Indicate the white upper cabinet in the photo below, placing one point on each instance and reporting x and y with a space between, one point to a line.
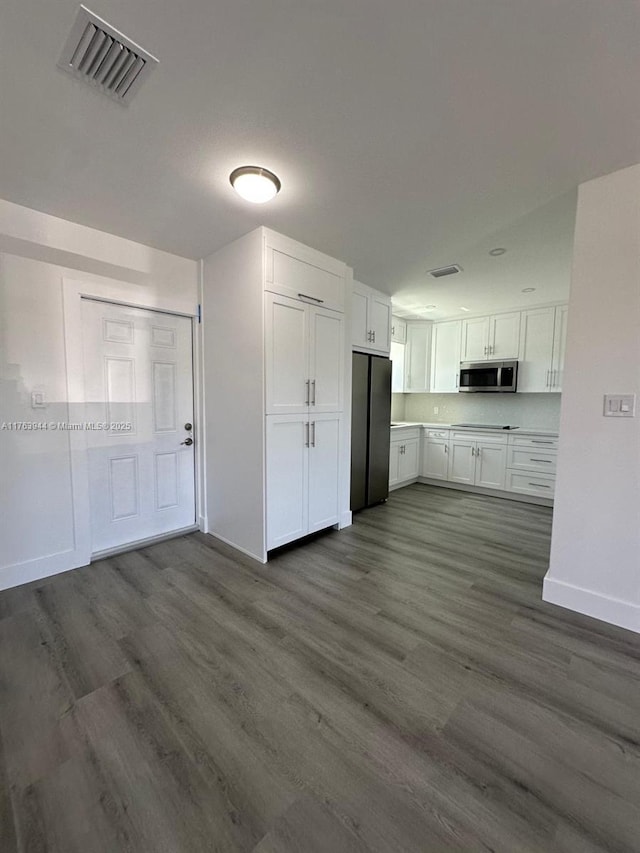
496 337
360 331
542 344
398 330
370 319
286 355
397 355
326 360
304 355
445 356
475 339
417 357
300 272
504 336
559 345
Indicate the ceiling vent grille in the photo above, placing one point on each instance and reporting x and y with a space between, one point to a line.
103 57
452 269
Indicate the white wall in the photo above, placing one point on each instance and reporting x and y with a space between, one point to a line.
595 553
233 374
38 527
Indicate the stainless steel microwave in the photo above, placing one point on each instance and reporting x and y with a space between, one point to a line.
488 376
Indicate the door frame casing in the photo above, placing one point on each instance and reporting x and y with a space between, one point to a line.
73 292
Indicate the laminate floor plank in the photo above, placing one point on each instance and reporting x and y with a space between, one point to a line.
395 687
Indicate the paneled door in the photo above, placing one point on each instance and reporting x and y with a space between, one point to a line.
138 379
326 360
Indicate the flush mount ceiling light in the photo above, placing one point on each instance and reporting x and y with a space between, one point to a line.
495 253
255 184
462 308
528 289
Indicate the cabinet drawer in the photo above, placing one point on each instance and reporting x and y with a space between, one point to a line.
532 459
540 485
437 433
482 437
302 279
541 442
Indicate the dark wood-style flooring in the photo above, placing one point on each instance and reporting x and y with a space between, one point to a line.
397 686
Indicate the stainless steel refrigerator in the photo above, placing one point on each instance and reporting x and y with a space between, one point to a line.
370 429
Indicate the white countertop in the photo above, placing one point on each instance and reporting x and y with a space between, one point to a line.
520 431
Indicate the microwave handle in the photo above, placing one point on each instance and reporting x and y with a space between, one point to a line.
499 377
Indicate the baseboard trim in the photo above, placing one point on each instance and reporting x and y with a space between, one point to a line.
41 568
142 543
614 611
480 490
237 547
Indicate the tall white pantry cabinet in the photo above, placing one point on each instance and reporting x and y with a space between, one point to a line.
276 366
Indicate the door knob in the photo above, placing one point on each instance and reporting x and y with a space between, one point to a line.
187 441
188 427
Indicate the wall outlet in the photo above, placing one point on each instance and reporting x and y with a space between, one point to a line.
436 410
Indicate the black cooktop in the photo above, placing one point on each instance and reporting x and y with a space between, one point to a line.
486 426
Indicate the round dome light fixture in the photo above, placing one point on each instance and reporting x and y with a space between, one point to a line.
528 289
495 253
255 184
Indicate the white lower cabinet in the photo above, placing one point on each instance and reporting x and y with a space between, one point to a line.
435 455
478 460
302 475
531 465
404 457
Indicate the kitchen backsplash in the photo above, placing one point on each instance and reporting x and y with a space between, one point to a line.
529 410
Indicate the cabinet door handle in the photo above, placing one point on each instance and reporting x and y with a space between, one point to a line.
546 384
313 434
546 461
374 337
393 330
554 381
473 451
446 448
457 380
306 442
540 441
312 298
313 385
477 451
540 485
306 399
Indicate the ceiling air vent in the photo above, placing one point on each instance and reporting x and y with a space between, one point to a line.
100 55
442 271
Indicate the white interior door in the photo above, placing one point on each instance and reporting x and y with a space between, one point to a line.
138 379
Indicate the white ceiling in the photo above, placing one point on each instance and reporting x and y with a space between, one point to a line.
407 135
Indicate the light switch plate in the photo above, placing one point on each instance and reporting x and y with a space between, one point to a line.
38 400
619 405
